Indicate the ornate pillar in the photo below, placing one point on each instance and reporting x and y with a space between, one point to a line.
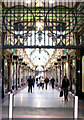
59 75
16 74
13 74
28 73
62 72
23 75
15 59
10 77
56 76
20 75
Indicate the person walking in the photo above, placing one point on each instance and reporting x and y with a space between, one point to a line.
33 81
52 82
65 84
36 80
30 83
38 85
42 82
46 82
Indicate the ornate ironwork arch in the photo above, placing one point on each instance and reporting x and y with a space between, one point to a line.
60 24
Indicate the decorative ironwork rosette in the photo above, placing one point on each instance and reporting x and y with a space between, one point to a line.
61 21
19 20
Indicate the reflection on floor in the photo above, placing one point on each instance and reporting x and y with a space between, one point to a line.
41 104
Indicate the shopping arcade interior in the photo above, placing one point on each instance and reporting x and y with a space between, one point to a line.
58 26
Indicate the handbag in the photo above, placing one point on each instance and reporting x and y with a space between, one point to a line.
61 93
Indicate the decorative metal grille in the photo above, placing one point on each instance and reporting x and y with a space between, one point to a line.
50 26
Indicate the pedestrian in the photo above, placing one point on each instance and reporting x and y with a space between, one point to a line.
36 80
38 85
42 82
65 84
46 82
33 81
30 83
52 82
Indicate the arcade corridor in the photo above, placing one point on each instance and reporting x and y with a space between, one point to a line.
42 40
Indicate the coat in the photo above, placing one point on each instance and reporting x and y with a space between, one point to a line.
30 81
65 84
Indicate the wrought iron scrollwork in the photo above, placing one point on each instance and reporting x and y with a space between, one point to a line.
64 23
15 23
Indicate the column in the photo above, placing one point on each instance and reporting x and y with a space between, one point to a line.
62 71
59 74
16 74
23 75
10 76
2 78
67 70
56 75
13 74
28 73
20 75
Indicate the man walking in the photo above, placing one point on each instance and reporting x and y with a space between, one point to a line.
30 83
46 82
52 81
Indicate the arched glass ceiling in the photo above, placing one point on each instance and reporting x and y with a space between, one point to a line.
39 56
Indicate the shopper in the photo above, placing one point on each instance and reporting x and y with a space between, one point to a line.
38 85
46 82
33 81
36 80
30 83
52 82
42 82
65 84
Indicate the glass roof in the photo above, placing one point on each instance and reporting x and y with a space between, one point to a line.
39 56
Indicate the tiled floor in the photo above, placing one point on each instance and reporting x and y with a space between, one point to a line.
41 104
